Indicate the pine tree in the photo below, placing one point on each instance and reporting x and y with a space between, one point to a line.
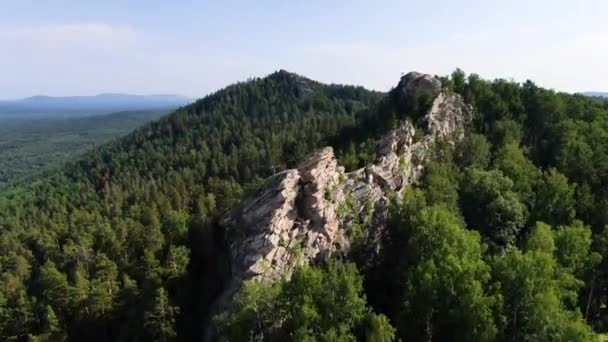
160 321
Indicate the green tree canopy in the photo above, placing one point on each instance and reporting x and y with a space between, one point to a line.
314 305
490 205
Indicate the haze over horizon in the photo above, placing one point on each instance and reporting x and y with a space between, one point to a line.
68 47
98 95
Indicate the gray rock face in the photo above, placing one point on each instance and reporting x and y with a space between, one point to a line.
413 82
260 226
304 215
449 116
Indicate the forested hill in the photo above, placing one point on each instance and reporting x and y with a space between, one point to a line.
97 251
503 238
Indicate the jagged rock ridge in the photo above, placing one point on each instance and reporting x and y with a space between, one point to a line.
303 215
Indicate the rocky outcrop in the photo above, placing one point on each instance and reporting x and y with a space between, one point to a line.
305 214
449 117
414 82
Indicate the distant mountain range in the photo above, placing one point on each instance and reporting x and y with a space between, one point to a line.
596 94
72 106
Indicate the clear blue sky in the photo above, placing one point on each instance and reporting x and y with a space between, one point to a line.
78 47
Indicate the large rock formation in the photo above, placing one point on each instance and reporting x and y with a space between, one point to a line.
305 214
414 82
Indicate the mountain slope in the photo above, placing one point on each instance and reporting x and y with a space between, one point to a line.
131 222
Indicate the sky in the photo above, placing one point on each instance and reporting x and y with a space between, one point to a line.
191 48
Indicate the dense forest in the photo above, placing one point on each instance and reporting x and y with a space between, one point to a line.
121 245
29 146
503 239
